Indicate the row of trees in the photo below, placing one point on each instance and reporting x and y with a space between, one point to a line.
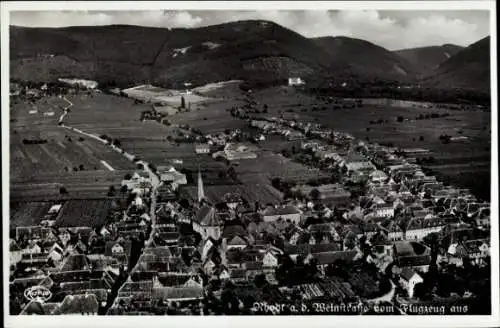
34 141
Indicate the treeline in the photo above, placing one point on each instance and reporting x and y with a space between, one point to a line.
34 141
460 96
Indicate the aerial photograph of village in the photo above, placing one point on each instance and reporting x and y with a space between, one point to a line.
249 163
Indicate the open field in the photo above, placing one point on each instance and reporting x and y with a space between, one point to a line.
213 117
84 213
27 214
269 165
454 157
81 184
63 151
152 94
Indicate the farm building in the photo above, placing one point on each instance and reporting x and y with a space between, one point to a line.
288 212
233 152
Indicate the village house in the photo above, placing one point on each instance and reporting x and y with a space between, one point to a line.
294 135
383 210
333 193
202 149
474 251
378 176
412 254
325 259
329 153
139 180
355 163
288 212
408 279
418 228
173 177
15 252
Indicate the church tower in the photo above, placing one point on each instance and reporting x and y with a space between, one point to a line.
201 193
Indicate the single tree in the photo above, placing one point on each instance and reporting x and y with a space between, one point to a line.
111 191
314 194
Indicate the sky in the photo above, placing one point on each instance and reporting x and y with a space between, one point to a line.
390 29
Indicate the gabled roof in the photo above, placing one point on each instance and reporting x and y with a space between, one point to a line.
413 261
76 304
236 241
171 280
76 262
207 216
410 248
378 174
332 257
407 273
282 210
321 227
233 230
177 293
136 287
305 249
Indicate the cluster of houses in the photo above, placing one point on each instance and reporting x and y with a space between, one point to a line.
79 263
400 204
154 254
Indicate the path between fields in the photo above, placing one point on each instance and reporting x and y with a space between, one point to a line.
109 167
65 110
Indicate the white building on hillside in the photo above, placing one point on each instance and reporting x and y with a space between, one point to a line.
295 81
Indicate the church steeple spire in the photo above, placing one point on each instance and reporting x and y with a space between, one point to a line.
201 193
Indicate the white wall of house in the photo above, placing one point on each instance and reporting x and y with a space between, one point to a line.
206 232
384 212
15 257
418 234
270 260
395 235
409 285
